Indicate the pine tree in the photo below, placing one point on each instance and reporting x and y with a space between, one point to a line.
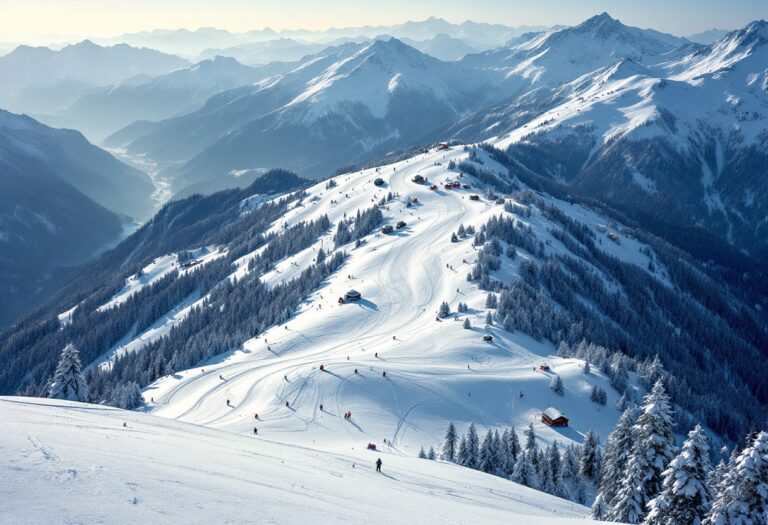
622 403
654 443
68 381
556 385
487 461
744 498
431 454
488 319
514 444
589 461
491 301
462 456
473 448
530 442
617 451
684 497
629 504
524 472
445 310
449 446
422 454
587 368
467 324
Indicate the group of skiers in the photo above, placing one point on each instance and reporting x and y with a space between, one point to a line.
347 415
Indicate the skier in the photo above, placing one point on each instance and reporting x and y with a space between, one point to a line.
321 407
378 465
322 368
228 404
521 394
287 404
384 373
355 371
376 355
255 431
221 377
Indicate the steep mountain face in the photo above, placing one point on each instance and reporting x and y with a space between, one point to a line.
549 59
681 143
68 156
106 110
41 80
352 103
45 220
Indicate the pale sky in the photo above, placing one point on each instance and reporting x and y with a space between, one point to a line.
22 20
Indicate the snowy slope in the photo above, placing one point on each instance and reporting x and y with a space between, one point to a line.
92 469
436 370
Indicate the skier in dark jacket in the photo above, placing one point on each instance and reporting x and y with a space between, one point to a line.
378 465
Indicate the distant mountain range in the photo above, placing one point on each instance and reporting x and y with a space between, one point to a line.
40 80
62 199
192 43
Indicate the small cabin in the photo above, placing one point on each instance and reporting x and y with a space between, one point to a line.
379 182
474 197
614 237
442 145
400 225
352 295
544 367
387 229
488 338
418 179
554 418
433 187
466 186
448 186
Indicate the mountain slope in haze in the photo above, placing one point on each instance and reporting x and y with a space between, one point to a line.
442 46
106 110
347 104
247 477
40 80
682 143
62 199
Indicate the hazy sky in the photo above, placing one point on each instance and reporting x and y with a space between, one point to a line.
22 19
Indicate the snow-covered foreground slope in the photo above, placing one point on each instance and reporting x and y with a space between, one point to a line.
93 469
436 370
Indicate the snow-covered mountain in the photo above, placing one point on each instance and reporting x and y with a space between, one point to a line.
229 298
689 132
106 110
345 105
61 200
41 80
551 58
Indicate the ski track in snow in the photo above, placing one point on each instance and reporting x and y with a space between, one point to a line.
403 278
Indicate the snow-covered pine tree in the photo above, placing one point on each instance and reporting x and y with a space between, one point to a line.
473 447
524 472
629 504
546 479
449 445
684 496
431 454
589 464
556 385
68 381
445 310
744 498
487 460
654 442
505 465
587 368
622 403
462 455
617 450
422 454
467 325
717 474
530 441
488 319
491 301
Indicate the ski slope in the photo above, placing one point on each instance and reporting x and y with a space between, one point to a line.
436 371
93 469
